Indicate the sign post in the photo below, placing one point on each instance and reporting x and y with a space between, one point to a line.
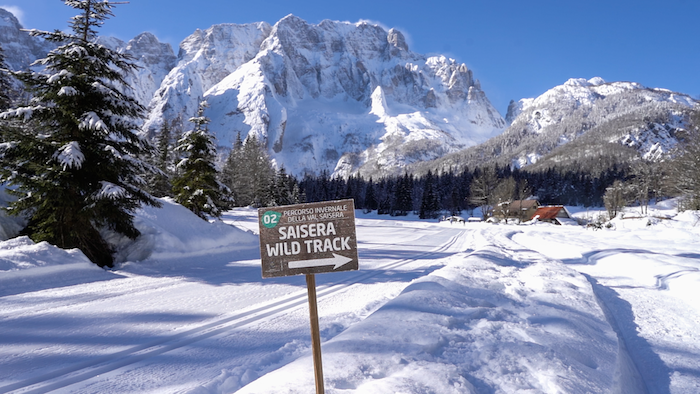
308 239
315 332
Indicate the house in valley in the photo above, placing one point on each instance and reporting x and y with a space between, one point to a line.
557 214
517 209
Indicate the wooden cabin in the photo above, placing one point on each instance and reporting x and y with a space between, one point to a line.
517 209
557 214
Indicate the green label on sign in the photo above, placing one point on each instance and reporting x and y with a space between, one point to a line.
271 218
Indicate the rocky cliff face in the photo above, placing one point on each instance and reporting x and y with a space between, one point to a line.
205 58
624 113
350 98
153 58
583 122
20 48
338 97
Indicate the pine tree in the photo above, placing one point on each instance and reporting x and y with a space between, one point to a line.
159 181
196 186
429 206
77 168
371 203
254 174
232 172
7 128
284 190
403 196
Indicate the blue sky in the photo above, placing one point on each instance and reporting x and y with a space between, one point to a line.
516 49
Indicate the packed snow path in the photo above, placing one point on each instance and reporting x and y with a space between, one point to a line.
121 318
434 308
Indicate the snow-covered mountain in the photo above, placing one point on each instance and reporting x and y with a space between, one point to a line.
19 47
337 96
153 58
352 98
582 121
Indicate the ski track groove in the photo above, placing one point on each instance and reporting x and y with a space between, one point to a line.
22 311
77 373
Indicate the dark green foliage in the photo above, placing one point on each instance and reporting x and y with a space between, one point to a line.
467 190
403 196
370 200
75 162
429 207
285 190
196 186
162 160
250 174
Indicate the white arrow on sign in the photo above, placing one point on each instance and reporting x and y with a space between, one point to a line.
336 260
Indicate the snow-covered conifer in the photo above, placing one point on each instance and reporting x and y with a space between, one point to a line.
159 182
403 196
77 168
250 174
371 203
429 206
196 186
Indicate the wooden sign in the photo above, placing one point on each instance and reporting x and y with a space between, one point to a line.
308 238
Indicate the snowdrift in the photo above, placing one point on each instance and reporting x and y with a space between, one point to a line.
174 231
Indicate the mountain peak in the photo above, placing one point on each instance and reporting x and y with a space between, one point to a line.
397 39
9 19
335 96
583 82
20 48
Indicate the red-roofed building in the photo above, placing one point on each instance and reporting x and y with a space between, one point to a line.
518 209
556 214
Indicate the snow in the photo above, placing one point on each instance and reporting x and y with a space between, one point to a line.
110 191
70 155
299 91
92 121
434 308
63 74
67 91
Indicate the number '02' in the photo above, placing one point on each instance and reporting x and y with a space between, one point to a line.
271 218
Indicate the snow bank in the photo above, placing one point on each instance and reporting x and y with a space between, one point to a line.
169 231
174 231
486 320
22 253
28 266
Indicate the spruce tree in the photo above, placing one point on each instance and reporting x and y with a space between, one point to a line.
429 207
284 191
249 172
159 181
371 203
232 172
76 168
196 186
403 196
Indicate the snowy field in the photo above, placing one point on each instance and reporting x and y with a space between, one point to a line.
434 308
